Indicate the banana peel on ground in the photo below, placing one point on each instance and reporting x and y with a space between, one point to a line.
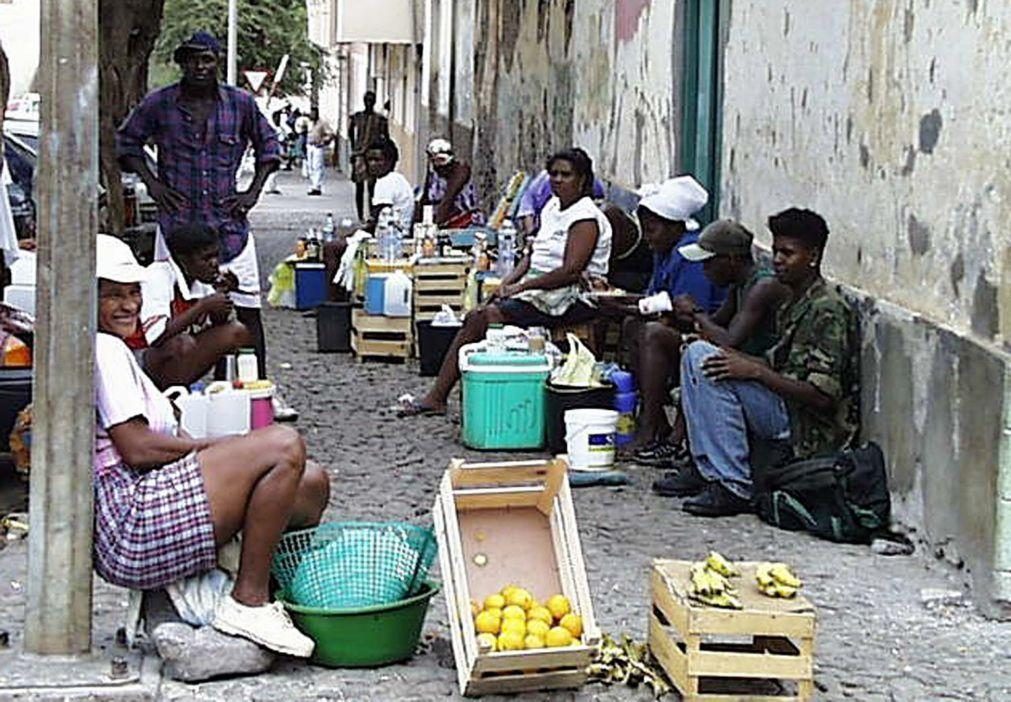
628 663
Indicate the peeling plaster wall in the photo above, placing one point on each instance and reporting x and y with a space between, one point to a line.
888 118
595 73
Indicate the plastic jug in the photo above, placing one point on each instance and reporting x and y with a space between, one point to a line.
228 410
193 409
397 295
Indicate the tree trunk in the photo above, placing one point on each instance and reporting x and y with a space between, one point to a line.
128 34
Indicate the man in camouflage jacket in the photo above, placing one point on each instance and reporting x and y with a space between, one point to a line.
804 391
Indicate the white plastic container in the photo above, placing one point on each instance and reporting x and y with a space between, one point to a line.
247 366
590 438
193 409
228 410
397 295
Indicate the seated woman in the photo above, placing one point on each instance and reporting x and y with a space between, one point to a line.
186 322
802 392
546 287
165 502
449 188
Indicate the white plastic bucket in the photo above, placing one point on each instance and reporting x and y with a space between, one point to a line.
589 437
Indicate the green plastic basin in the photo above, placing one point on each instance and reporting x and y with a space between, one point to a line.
364 637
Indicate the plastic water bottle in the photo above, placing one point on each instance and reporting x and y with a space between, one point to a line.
396 235
328 228
506 250
384 234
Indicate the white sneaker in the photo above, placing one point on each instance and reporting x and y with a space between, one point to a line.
268 625
283 412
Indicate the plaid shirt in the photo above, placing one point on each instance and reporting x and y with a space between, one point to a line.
201 166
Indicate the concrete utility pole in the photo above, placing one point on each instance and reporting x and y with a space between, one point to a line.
233 40
58 617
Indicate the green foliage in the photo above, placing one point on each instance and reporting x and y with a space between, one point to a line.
267 30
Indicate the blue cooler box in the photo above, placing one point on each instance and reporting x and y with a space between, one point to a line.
503 399
310 285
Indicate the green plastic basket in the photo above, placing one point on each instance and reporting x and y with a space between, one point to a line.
353 564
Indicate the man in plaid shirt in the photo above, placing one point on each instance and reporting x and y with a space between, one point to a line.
201 129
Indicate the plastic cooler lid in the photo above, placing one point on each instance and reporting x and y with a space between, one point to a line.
506 358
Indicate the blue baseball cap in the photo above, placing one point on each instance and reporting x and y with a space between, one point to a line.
199 41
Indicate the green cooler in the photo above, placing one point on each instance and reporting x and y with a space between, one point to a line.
503 399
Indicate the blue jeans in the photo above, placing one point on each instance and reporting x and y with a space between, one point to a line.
721 415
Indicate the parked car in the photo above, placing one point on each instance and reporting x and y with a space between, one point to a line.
20 159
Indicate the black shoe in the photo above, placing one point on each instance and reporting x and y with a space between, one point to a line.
681 483
315 192
716 501
656 453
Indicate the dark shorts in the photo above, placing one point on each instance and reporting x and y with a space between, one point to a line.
523 314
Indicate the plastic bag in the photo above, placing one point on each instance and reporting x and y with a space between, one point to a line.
446 317
578 369
282 286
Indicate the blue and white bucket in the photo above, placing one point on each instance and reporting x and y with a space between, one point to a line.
590 436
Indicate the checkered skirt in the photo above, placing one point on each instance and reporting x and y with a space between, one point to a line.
152 528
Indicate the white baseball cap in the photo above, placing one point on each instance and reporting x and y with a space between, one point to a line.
676 199
115 261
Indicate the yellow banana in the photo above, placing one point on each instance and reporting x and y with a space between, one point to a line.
782 573
763 576
721 565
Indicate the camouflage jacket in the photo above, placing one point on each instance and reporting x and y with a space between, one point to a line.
818 345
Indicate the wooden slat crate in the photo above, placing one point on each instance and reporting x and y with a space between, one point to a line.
380 337
511 513
437 284
718 649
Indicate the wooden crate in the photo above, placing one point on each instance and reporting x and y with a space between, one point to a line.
376 336
438 284
719 649
519 515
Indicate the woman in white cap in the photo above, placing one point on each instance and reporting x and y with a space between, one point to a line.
546 289
449 188
165 502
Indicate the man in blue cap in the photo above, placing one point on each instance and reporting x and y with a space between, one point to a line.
201 129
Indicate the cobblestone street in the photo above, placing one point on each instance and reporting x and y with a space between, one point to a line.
876 639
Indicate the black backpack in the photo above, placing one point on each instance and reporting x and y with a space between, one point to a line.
843 497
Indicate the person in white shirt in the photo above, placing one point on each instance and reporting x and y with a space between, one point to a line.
391 189
547 287
186 322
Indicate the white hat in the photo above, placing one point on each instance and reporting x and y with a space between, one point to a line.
115 261
440 151
676 199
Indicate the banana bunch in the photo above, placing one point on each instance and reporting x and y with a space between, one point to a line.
627 663
710 584
777 580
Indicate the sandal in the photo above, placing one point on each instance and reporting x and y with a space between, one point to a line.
407 406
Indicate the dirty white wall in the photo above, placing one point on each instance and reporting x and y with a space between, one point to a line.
626 101
891 119
596 73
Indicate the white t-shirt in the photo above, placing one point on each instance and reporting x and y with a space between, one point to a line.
394 189
549 244
164 277
123 391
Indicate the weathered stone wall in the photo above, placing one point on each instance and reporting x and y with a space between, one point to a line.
598 74
888 118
